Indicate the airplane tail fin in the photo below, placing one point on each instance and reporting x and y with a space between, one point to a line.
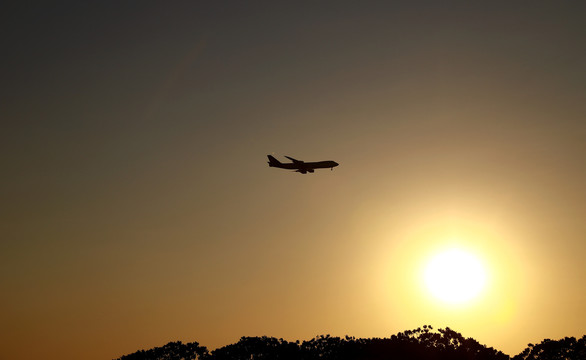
273 161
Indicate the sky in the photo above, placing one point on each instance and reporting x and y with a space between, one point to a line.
137 206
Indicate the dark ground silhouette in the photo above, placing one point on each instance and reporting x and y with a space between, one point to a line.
421 343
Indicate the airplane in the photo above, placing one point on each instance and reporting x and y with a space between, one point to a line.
301 166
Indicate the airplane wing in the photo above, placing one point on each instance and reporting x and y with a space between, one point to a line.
295 161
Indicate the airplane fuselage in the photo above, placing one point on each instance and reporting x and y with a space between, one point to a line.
302 166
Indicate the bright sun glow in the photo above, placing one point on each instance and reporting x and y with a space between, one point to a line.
455 276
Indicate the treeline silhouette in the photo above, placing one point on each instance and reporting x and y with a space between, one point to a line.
421 343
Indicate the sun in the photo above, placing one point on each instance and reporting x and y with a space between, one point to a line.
455 276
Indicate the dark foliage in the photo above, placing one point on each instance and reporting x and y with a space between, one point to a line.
421 343
172 351
566 348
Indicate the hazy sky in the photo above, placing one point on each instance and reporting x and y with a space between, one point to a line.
137 207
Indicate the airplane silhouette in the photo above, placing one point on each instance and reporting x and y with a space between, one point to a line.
301 166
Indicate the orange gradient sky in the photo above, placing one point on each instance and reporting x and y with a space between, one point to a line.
138 208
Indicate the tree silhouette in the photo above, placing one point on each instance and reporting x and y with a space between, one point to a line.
566 348
257 348
171 351
421 343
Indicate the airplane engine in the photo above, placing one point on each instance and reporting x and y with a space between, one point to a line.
310 170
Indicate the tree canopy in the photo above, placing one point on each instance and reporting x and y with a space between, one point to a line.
422 343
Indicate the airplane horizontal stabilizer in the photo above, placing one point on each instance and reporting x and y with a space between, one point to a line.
273 161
